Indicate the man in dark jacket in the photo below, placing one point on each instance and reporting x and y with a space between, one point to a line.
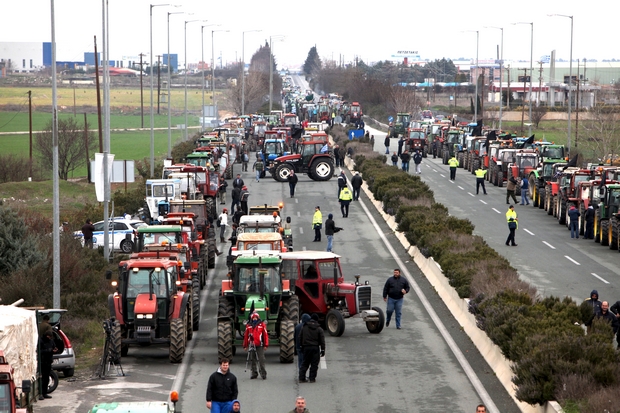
401 142
386 142
222 389
573 214
87 231
48 348
236 197
607 315
221 191
337 155
238 182
405 157
292 182
589 218
356 183
330 230
313 345
417 160
300 354
394 290
244 196
342 181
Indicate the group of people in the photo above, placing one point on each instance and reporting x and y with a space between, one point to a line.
602 310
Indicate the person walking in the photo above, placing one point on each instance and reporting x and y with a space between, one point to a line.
589 218
245 159
372 142
222 223
259 167
511 186
222 389
236 198
453 163
300 406
434 148
394 159
317 224
513 222
330 230
87 231
394 292
405 157
574 214
345 198
401 142
243 199
417 160
342 181
48 348
298 349
256 336
221 191
292 182
313 345
525 187
337 155
386 142
480 173
356 183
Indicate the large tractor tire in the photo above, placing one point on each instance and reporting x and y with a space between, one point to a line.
375 327
500 179
282 172
195 304
287 341
290 309
225 307
322 169
334 322
541 198
534 192
461 158
425 152
177 340
613 234
225 340
230 170
210 205
476 166
444 158
550 201
211 248
562 213
116 341
604 233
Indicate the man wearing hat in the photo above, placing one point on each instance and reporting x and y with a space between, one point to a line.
244 196
312 340
256 338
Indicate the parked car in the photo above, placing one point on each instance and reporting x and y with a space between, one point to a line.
118 231
65 360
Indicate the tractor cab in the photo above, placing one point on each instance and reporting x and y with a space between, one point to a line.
158 194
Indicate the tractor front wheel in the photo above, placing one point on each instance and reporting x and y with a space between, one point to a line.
322 170
282 172
177 340
604 237
290 309
211 209
115 340
375 327
287 341
224 340
334 322
195 304
211 248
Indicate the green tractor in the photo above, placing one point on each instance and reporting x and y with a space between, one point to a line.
255 285
606 220
399 127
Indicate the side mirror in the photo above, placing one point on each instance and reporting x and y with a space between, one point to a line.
288 220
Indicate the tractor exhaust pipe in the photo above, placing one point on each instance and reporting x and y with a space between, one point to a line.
335 273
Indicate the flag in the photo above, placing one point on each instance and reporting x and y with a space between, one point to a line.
529 141
251 311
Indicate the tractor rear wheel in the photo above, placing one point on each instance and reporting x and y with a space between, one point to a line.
290 309
210 204
562 213
476 166
225 307
211 248
375 327
500 179
287 341
229 170
444 158
282 172
224 340
322 170
604 235
541 198
177 340
334 322
195 304
115 340
613 234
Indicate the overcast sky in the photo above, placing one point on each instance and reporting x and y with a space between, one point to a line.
371 30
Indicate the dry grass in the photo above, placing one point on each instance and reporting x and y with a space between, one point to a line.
579 393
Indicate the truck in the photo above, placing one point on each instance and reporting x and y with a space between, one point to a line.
400 125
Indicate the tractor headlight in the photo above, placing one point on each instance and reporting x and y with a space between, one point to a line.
143 316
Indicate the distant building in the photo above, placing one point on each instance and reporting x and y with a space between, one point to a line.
21 57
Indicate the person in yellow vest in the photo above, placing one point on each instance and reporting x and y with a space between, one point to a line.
480 173
317 223
513 223
345 198
453 163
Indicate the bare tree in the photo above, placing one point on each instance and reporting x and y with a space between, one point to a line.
538 113
402 99
602 133
71 146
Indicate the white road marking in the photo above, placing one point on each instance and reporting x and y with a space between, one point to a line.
570 259
442 175
496 210
471 194
297 201
529 232
298 213
483 202
461 188
600 278
434 170
323 363
469 372
549 245
301 230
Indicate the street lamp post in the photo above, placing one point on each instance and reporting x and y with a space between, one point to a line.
278 37
185 64
570 76
213 73
243 69
531 71
501 73
202 50
169 97
151 68
477 47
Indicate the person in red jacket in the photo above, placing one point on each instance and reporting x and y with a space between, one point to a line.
256 338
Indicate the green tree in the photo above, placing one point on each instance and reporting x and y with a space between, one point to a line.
18 247
313 62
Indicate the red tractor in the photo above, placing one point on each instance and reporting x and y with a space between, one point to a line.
311 158
416 140
354 115
149 308
316 278
524 162
197 212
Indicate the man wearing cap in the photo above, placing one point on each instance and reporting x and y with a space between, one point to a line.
243 197
256 338
312 340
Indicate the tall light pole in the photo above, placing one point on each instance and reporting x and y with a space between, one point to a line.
151 67
501 73
570 76
531 71
477 48
169 97
185 65
213 73
202 58
243 69
271 38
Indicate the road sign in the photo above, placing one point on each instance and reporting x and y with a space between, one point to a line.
355 133
390 119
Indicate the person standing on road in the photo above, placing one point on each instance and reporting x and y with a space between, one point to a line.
298 351
525 188
87 231
256 334
221 191
513 222
222 389
574 214
356 183
238 182
394 291
259 167
236 197
417 160
405 157
337 155
300 406
607 315
48 348
394 159
342 182
372 142
435 143
330 230
480 173
345 198
317 223
386 142
223 222
243 198
313 345
292 182
401 142
245 159
589 218
453 163
511 186
594 301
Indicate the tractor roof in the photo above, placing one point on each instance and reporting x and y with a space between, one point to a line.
162 262
188 202
259 236
150 229
133 407
250 220
254 259
308 255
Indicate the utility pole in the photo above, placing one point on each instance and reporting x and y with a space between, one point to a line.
98 99
508 91
158 80
577 104
523 101
142 90
540 79
30 129
482 95
86 146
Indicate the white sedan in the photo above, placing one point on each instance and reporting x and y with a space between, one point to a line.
118 230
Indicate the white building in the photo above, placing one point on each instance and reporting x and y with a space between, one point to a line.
21 57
